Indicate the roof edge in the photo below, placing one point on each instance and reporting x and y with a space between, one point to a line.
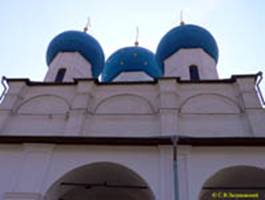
232 79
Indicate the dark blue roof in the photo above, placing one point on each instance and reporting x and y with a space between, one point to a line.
77 41
185 37
131 59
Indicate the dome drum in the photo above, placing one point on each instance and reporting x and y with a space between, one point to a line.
81 42
131 59
185 46
186 37
202 51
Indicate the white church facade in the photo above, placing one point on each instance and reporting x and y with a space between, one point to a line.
137 126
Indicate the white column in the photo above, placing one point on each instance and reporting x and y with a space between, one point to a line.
183 173
166 173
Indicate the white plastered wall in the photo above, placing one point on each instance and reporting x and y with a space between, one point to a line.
74 63
31 169
177 65
198 164
133 76
152 109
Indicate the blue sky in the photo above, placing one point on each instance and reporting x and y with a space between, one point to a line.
28 26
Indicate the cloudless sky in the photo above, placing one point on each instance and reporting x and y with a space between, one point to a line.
27 27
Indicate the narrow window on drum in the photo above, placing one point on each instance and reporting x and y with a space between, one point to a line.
194 73
60 75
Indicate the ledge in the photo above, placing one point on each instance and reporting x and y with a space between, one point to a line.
135 141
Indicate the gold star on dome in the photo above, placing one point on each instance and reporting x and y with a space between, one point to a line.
135 54
145 63
121 63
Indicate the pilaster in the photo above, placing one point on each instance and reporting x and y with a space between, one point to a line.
251 105
11 101
79 109
168 106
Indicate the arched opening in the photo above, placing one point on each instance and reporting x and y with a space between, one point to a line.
194 73
232 182
60 75
101 181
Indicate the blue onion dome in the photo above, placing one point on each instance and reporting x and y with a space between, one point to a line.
131 59
77 41
186 36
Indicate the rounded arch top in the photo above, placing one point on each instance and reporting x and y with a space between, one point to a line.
44 104
238 179
233 176
124 104
209 103
98 178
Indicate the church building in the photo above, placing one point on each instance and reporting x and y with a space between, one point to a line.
136 126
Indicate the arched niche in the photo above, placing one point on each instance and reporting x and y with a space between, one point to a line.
102 180
124 104
44 104
209 104
234 180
